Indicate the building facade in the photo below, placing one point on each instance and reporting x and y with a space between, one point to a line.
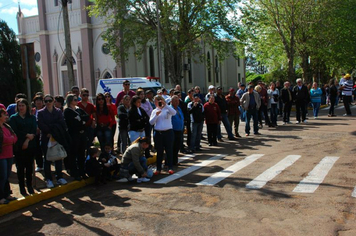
92 60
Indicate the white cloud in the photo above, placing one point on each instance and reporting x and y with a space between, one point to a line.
27 12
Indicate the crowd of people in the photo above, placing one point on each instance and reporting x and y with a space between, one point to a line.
140 116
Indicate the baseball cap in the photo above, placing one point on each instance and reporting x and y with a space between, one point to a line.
242 85
196 95
219 88
347 76
211 87
251 87
231 90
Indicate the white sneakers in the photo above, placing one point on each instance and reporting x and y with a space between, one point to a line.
38 169
305 121
143 180
61 181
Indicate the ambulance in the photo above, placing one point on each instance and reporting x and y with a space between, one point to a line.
115 85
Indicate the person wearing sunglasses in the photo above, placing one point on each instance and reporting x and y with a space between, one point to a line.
76 119
113 113
90 109
103 121
125 91
50 122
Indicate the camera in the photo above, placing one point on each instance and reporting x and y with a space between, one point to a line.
159 104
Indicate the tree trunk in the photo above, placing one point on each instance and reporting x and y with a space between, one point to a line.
69 56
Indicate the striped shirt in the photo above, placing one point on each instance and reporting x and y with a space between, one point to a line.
348 86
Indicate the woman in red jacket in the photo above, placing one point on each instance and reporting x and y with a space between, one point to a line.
212 119
103 121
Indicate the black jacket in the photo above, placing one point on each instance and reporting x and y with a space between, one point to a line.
123 117
285 95
137 122
301 95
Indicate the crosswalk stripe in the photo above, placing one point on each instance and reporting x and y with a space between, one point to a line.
272 172
340 107
315 177
219 176
186 157
189 170
325 108
354 193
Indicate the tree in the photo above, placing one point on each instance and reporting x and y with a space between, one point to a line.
183 23
11 81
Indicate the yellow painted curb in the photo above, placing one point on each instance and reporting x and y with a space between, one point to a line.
41 196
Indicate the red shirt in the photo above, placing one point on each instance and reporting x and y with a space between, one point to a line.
104 120
212 113
90 110
8 142
121 95
233 103
113 112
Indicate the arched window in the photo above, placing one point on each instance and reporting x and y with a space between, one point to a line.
209 66
107 75
152 61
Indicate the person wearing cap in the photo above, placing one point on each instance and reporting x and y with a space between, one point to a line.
251 102
196 111
125 91
346 86
233 111
221 101
211 91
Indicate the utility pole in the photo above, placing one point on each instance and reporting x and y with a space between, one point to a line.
69 56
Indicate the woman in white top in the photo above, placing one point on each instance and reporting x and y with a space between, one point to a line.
273 103
163 135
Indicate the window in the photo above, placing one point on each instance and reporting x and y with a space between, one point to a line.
152 61
37 57
105 48
238 61
209 67
64 63
239 77
107 75
56 3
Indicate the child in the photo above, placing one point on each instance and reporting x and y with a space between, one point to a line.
109 162
93 168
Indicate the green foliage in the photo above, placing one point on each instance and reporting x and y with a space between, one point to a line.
11 81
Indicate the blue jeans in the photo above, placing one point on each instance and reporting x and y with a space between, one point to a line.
227 126
196 128
243 113
316 106
274 113
164 142
132 169
5 171
135 135
104 136
254 114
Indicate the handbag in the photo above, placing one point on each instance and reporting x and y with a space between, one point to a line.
55 151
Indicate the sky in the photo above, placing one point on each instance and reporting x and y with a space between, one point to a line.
9 9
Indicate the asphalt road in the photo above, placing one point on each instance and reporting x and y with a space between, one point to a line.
296 179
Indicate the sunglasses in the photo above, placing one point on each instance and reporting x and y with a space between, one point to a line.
100 99
85 95
108 96
75 100
48 101
126 84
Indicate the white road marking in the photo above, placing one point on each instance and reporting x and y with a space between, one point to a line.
340 107
186 157
315 177
272 172
219 176
354 193
189 170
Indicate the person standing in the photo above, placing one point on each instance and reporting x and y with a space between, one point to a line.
233 111
315 97
125 91
178 126
25 127
113 113
333 93
273 103
221 101
251 102
90 109
76 119
161 118
123 111
287 99
212 119
301 98
103 120
50 120
7 140
196 111
346 86
138 119
279 87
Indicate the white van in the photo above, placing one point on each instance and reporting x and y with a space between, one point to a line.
114 85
